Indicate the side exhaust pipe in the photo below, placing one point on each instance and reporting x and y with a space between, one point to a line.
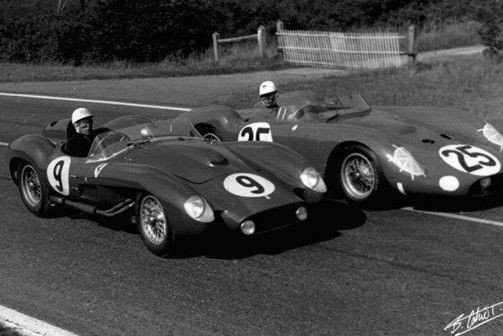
92 210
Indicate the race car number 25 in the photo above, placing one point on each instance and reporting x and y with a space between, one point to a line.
58 173
470 159
259 131
248 185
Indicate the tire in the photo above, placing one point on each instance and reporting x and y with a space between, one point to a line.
34 193
153 225
360 176
209 133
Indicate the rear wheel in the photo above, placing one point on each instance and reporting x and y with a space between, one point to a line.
209 133
360 175
154 226
34 192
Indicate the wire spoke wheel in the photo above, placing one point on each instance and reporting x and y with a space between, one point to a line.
30 186
358 176
211 138
153 220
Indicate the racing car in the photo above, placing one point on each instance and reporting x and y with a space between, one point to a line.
175 182
367 154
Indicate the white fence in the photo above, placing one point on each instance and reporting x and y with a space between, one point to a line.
343 50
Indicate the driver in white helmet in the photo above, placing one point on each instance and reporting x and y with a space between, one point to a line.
267 93
79 143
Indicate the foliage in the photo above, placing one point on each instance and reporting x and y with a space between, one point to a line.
149 31
490 14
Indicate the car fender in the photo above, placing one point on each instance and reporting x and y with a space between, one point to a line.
223 119
33 148
171 191
273 157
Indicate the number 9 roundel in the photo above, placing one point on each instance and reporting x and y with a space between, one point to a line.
248 185
58 173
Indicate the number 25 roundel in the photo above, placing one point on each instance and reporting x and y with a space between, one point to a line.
58 173
259 131
470 159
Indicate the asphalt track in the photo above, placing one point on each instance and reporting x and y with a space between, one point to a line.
390 272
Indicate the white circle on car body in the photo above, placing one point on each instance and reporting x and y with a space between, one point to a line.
259 131
448 183
58 174
470 159
248 185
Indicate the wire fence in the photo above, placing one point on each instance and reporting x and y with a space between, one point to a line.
341 50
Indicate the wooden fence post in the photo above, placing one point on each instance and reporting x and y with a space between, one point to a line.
261 40
411 40
279 29
215 37
279 26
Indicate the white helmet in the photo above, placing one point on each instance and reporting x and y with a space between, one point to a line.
267 87
80 114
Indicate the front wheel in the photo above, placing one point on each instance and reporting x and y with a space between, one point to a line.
209 133
154 226
360 175
34 192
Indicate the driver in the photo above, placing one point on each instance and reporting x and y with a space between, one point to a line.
267 93
79 143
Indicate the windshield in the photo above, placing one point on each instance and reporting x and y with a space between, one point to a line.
308 106
123 133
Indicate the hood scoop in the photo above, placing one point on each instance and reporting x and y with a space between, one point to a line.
447 136
219 162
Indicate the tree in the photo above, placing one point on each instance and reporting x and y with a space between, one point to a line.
490 14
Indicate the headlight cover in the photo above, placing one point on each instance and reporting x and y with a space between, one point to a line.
312 180
492 135
199 209
404 160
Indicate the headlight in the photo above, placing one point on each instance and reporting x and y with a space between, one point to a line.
492 135
247 227
312 179
404 160
197 208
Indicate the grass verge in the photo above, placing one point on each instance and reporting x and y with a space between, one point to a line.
6 331
470 83
235 58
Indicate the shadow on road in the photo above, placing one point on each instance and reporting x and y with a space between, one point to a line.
462 204
326 223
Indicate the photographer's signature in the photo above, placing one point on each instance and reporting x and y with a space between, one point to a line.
465 323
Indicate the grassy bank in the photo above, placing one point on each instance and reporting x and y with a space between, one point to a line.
459 34
192 66
236 58
470 83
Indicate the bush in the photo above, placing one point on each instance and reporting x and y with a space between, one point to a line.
149 31
490 14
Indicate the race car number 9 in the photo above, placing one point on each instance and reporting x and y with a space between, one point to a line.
248 185
58 173
470 159
259 131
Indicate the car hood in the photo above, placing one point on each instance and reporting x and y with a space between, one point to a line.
192 160
235 204
415 125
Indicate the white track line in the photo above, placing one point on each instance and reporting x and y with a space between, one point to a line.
108 102
29 326
455 216
5 144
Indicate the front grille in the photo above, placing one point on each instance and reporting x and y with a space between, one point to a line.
276 218
495 187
